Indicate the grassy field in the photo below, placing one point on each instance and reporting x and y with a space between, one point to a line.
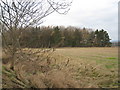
70 67
108 57
103 60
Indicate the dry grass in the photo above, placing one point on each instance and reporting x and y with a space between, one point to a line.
94 67
65 68
38 71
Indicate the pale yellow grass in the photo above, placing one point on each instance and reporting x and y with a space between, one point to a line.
93 54
87 67
93 66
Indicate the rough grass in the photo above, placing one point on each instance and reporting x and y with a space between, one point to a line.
43 72
100 56
65 68
97 67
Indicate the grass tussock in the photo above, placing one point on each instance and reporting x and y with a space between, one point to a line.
43 70
37 71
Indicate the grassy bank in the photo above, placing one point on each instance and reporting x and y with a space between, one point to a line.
68 67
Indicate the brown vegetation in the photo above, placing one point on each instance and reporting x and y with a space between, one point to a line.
62 69
42 72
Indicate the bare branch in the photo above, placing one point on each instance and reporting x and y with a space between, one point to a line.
15 14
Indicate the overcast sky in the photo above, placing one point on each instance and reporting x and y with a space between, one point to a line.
95 14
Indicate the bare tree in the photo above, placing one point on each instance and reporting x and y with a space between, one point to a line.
18 14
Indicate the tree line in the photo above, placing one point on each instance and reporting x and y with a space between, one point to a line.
60 36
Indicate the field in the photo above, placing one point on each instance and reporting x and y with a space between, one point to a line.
74 67
103 60
108 57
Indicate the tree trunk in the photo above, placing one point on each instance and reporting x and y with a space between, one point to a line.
12 65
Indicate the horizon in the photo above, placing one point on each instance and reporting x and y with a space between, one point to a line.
94 14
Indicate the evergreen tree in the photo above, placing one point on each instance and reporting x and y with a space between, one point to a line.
56 36
102 38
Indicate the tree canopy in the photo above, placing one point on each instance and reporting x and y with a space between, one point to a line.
57 36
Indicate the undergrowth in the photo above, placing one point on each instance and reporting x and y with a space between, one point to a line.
41 70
